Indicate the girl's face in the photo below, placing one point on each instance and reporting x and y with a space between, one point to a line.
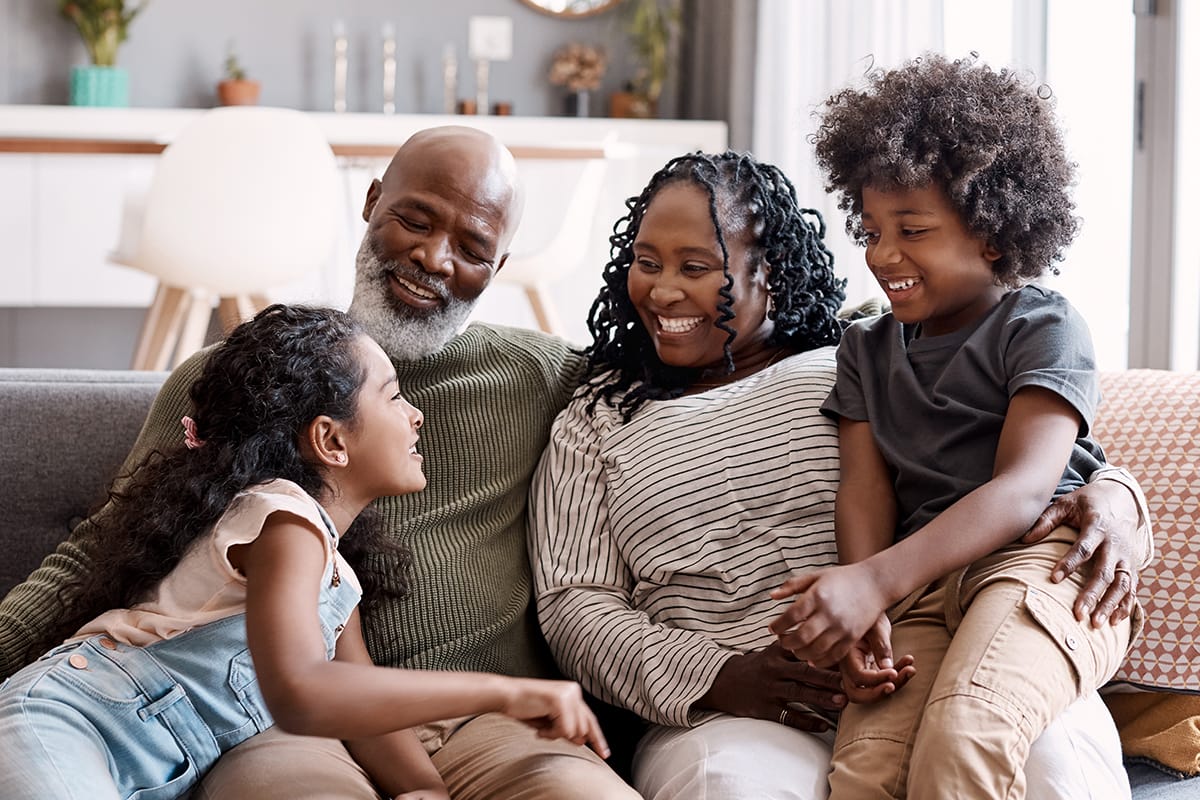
934 270
676 278
381 445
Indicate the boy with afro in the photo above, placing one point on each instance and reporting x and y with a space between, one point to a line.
961 414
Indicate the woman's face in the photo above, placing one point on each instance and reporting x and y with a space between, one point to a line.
676 278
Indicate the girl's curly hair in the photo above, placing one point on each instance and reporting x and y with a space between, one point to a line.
743 194
989 139
258 391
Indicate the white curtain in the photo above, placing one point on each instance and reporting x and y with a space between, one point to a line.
808 49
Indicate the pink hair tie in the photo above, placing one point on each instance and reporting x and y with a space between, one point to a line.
190 439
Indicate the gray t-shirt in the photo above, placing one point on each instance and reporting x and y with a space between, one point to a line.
937 404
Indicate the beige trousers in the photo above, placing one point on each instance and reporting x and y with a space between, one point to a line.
999 654
488 757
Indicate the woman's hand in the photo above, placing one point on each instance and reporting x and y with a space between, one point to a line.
556 710
766 683
833 609
1106 516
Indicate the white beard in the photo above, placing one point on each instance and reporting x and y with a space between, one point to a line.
405 333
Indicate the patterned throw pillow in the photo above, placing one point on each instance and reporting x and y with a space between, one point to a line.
1149 423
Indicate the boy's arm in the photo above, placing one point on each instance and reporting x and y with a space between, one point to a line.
865 509
834 608
1039 431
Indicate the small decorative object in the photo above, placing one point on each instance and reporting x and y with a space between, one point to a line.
653 26
580 68
103 24
236 89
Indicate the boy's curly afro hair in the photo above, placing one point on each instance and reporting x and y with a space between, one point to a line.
989 139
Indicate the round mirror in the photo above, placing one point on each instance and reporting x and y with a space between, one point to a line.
571 8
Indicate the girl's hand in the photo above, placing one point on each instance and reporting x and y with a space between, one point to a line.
556 710
424 794
833 609
868 672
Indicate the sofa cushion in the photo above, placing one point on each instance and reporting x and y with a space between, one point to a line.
1149 423
64 435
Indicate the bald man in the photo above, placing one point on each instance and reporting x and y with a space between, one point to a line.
439 225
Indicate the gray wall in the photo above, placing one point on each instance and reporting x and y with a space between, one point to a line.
176 49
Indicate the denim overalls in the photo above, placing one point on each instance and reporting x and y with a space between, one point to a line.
99 719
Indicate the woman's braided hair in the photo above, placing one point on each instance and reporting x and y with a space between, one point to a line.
256 394
623 368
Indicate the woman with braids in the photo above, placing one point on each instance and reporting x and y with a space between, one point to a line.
229 600
692 473
961 414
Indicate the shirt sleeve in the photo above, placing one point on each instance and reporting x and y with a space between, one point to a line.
1049 346
846 398
584 590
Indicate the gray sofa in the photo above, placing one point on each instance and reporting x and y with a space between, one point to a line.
64 434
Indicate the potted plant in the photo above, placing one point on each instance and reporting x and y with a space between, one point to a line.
580 68
652 25
236 89
103 24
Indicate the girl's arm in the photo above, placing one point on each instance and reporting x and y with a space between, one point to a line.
837 606
397 762
308 695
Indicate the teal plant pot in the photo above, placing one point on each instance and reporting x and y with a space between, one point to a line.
99 86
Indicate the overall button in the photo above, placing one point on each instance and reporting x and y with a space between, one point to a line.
77 661
108 644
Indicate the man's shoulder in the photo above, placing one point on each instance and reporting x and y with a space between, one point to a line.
526 349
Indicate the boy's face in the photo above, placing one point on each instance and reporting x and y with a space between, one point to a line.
933 269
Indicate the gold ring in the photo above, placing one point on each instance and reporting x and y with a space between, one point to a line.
1119 570
783 717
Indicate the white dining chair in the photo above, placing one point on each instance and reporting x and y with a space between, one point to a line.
537 270
243 200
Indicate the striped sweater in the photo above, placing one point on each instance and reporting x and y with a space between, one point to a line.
489 398
656 541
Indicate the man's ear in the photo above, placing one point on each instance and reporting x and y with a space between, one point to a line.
991 253
373 192
326 443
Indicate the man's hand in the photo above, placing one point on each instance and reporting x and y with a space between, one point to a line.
1106 516
762 684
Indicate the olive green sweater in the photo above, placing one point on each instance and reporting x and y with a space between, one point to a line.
489 398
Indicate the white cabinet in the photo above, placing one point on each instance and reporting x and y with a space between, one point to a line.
16 229
77 207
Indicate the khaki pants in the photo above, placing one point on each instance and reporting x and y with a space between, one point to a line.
488 757
999 654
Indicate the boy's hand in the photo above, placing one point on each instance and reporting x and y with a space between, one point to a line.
556 710
833 609
868 672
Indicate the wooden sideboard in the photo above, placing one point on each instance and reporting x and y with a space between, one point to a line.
69 171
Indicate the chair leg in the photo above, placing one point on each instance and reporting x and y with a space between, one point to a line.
233 311
195 327
543 309
160 329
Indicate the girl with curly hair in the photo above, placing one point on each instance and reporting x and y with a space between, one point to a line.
961 414
223 599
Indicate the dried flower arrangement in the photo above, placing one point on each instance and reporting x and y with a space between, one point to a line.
579 67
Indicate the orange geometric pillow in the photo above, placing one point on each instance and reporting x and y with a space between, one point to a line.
1149 423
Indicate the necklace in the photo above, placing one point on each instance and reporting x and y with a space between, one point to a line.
778 354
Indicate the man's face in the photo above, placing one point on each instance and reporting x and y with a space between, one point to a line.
438 228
